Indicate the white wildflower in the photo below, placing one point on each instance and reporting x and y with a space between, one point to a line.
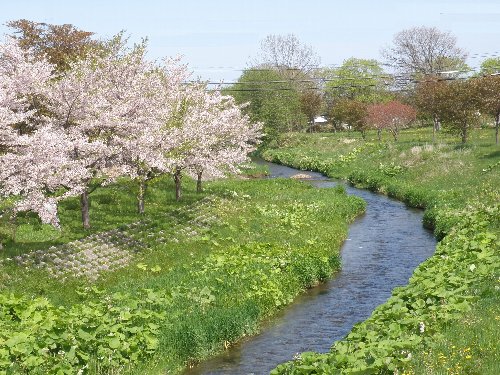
421 327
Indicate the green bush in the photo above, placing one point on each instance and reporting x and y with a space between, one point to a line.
116 330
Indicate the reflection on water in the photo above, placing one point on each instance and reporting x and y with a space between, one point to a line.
383 248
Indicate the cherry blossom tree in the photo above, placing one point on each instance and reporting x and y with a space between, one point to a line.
146 151
376 118
214 136
229 137
107 103
39 169
81 111
111 114
22 76
31 165
392 116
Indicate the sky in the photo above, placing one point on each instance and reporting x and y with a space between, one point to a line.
218 38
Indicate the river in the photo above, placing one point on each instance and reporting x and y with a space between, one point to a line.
383 248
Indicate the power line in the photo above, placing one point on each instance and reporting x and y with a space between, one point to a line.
395 89
387 80
376 63
268 89
315 80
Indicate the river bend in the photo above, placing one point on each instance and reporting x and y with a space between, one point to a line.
383 248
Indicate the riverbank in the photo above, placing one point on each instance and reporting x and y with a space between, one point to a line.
142 294
383 248
458 187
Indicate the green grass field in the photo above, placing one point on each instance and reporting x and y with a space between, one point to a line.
143 294
146 294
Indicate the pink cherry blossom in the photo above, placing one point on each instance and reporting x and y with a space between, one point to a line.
112 114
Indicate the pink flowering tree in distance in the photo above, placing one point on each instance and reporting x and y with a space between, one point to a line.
376 118
392 116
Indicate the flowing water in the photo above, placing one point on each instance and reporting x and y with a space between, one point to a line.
383 248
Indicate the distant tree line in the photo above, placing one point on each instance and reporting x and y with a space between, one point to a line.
429 81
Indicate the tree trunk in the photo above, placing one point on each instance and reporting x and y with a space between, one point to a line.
177 180
13 224
433 134
437 123
140 197
395 134
85 206
198 182
464 135
434 127
497 123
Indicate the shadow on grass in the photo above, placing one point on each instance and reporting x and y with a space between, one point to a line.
110 207
463 147
491 155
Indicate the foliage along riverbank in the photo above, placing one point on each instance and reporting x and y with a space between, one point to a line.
142 294
458 185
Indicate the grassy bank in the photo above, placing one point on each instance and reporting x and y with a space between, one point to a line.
154 293
459 186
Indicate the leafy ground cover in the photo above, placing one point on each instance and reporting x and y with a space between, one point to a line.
468 345
142 294
458 185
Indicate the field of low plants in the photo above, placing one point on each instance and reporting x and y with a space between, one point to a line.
160 291
445 321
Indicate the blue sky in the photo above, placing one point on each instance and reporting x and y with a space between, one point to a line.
217 38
